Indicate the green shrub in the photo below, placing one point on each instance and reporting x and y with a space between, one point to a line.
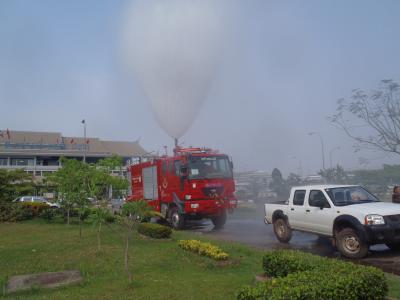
35 207
49 214
202 248
356 284
15 212
5 209
110 218
280 263
155 231
83 213
305 276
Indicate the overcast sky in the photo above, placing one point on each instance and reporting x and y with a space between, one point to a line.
287 64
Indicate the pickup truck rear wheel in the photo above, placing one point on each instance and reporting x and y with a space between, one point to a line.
282 231
350 244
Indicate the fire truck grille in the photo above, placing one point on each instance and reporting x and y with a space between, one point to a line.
213 192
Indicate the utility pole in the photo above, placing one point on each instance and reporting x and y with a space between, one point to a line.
84 140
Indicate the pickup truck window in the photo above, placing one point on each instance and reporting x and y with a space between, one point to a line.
316 198
343 196
299 196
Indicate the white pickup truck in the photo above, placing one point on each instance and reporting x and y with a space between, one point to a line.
352 216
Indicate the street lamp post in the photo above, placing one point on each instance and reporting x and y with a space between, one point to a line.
84 140
330 154
322 147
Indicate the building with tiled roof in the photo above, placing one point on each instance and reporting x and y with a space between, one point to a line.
38 153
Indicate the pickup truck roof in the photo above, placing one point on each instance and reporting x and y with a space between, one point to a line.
322 186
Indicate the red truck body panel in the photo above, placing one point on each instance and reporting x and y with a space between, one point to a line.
199 193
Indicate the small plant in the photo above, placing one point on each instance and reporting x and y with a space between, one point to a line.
98 217
132 214
155 231
202 248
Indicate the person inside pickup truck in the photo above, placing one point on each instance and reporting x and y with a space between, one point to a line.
396 194
357 196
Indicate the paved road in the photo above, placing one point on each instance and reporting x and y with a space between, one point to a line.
251 230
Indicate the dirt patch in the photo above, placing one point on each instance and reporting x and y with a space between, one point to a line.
42 280
227 263
262 278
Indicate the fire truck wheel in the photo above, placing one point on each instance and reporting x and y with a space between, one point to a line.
176 219
219 221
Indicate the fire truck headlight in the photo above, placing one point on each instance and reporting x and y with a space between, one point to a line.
188 197
194 205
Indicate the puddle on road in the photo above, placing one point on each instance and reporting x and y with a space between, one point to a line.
253 232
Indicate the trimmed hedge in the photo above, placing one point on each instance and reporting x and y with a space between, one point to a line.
154 231
280 263
206 249
16 212
323 279
36 207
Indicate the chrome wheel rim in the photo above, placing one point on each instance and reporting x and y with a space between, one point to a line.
351 243
280 228
175 219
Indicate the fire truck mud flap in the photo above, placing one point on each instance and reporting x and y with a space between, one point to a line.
180 204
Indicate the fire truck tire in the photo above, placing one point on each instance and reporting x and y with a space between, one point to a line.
219 221
176 220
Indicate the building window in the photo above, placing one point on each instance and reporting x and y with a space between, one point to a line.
3 161
22 162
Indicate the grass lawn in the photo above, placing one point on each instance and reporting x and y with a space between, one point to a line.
161 269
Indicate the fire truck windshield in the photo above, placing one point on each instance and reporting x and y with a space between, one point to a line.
207 167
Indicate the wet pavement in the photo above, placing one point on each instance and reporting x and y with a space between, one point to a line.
251 230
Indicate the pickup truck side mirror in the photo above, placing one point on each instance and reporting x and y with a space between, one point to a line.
321 204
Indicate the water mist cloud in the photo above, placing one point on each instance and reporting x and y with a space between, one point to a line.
174 48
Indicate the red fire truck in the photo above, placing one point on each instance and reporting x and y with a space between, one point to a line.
195 183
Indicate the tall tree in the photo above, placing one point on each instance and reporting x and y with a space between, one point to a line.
15 183
372 119
278 184
72 182
102 179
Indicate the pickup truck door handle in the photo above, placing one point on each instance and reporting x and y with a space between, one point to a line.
292 209
307 210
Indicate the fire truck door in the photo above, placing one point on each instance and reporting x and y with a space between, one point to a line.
150 190
176 178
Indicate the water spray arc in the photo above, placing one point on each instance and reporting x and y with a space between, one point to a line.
173 48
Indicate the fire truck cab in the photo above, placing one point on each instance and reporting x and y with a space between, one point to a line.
195 183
